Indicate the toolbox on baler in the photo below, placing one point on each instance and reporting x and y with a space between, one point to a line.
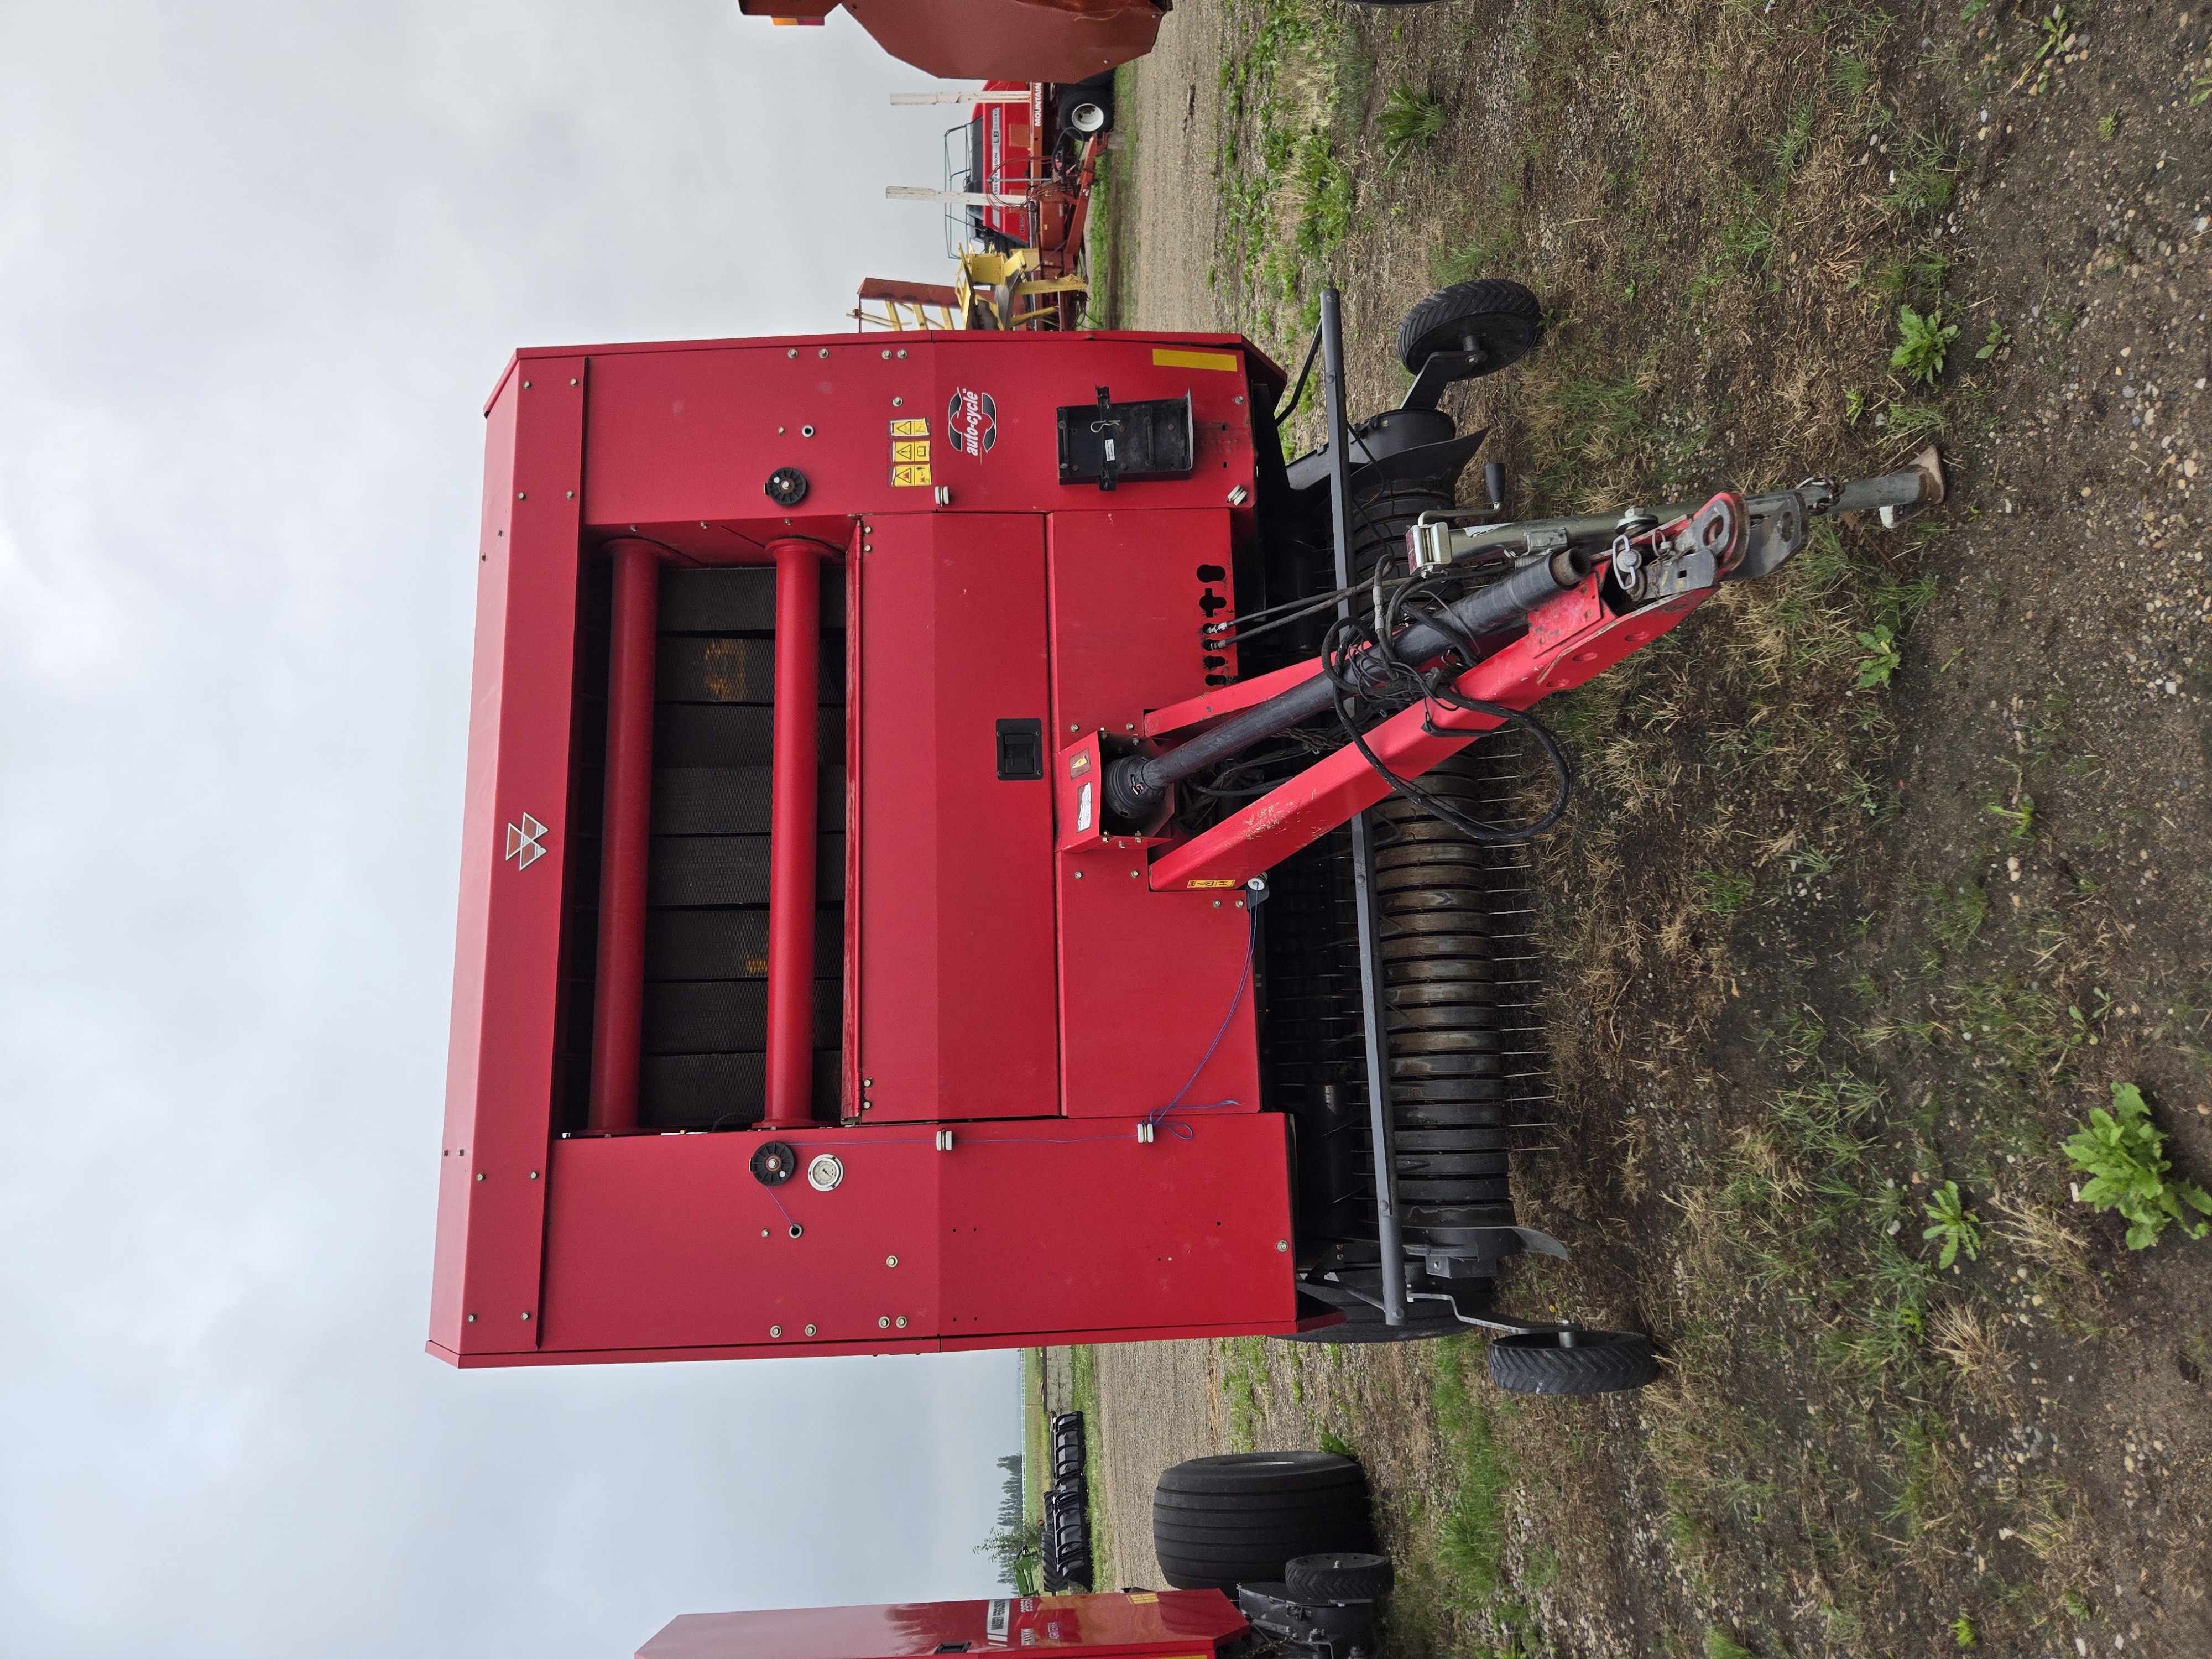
965 847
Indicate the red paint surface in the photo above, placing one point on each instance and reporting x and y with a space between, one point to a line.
660 1244
1163 1623
1554 655
794 787
970 947
499 1066
956 934
618 1006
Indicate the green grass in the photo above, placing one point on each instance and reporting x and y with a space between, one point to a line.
1472 1543
1244 1373
1723 892
1412 118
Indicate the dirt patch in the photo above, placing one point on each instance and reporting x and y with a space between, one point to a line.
1881 874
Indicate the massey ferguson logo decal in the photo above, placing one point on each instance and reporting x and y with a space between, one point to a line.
973 418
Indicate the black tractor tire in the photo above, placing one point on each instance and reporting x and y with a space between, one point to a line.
1600 1362
1503 318
1219 1521
1339 1577
1264 1474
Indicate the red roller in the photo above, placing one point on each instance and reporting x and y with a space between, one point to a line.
617 1014
794 783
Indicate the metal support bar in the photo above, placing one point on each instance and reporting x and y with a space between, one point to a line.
1362 848
793 785
625 838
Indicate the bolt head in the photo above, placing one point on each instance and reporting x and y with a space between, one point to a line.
1282 1245
824 352
809 1329
891 1261
472 1319
884 1320
901 1321
777 1330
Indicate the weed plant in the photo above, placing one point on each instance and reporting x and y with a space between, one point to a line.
2124 1154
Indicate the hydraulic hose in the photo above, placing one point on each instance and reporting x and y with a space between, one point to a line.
1134 782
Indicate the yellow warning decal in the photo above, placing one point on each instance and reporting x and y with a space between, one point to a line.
1213 884
909 429
911 474
911 450
1144 1595
1225 361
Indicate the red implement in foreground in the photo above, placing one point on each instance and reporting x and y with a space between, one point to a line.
1167 1624
985 1022
947 865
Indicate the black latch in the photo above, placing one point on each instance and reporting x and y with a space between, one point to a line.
1021 750
1108 441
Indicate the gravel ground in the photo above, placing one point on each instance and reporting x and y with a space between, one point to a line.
1159 1402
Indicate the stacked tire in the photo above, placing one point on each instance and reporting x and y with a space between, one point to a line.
1218 1522
1067 1564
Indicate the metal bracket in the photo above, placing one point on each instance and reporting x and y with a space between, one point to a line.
1442 369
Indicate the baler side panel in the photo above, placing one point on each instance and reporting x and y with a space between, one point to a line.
1077 1226
667 1242
956 958
498 1079
1129 590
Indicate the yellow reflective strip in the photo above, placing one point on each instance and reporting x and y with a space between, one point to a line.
1164 358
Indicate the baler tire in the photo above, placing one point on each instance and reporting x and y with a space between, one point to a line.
1254 1475
1601 1362
1339 1577
1216 1511
1242 1541
1505 317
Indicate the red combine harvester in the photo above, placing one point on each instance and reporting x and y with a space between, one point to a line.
966 848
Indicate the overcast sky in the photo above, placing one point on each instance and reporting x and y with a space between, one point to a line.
260 266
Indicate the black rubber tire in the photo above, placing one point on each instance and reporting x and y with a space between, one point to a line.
1339 1577
1218 1521
1503 317
1258 1476
1213 1510
1601 1362
1255 1541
